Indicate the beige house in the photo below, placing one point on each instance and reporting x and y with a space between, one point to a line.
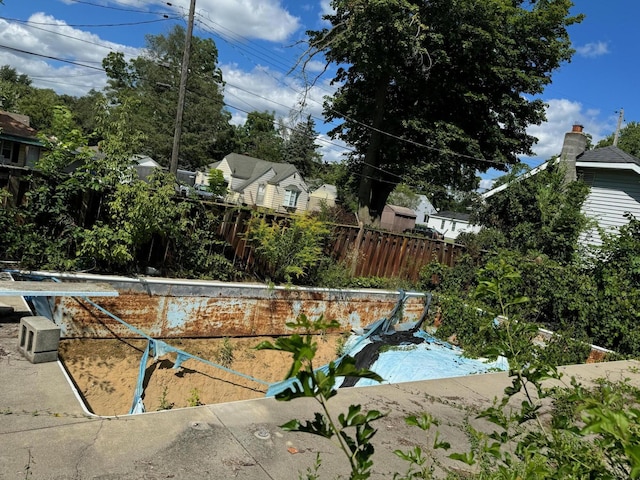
323 195
251 181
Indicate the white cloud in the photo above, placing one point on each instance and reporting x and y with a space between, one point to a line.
593 49
331 150
253 19
326 8
57 40
562 114
486 184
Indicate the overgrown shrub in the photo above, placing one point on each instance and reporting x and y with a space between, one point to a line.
287 249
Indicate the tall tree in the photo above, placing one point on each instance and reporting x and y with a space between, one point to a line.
434 91
154 78
300 148
259 137
628 140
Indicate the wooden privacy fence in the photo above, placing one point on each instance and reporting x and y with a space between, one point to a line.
375 253
369 252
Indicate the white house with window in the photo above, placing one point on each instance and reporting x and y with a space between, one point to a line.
251 181
451 224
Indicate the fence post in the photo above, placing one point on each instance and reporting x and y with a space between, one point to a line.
358 242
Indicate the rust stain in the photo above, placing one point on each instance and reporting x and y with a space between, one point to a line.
222 315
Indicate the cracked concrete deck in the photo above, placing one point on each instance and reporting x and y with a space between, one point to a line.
46 434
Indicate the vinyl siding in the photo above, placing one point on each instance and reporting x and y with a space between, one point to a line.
613 193
276 195
250 193
448 228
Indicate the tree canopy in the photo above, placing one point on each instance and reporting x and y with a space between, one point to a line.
300 148
431 92
153 79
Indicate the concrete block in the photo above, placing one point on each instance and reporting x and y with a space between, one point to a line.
38 339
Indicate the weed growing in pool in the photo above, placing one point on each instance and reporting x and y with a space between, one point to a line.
194 398
585 434
225 355
164 403
352 431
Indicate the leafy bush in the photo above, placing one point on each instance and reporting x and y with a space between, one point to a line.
290 249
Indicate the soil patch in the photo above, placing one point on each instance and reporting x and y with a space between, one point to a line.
106 371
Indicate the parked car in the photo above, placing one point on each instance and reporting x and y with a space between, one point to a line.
202 190
425 231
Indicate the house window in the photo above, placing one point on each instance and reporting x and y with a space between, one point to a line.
453 227
442 225
260 195
9 151
291 195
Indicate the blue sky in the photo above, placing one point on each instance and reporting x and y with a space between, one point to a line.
257 42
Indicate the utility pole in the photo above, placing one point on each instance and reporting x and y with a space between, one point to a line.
184 72
620 118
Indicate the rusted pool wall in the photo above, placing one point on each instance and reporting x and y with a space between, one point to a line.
172 308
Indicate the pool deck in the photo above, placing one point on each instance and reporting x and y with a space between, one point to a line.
45 433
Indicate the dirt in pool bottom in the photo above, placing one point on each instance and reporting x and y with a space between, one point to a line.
106 371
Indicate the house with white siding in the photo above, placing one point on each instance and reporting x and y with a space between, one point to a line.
451 224
612 174
251 181
614 178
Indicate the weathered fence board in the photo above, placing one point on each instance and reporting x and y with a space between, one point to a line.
369 252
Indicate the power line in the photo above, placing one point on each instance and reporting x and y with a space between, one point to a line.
396 137
94 25
116 8
6 47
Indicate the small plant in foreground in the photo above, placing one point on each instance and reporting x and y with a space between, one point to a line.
351 431
164 403
194 398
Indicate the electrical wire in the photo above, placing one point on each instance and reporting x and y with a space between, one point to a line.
116 8
396 137
94 25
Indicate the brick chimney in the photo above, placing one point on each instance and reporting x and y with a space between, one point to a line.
575 142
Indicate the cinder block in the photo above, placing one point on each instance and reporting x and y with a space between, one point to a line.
38 339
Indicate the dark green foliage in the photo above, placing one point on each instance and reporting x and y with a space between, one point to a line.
153 80
456 77
539 214
259 138
616 275
300 148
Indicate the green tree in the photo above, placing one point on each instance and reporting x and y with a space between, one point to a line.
39 105
13 87
50 217
260 138
217 183
446 76
154 78
86 110
403 196
538 214
628 140
300 148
